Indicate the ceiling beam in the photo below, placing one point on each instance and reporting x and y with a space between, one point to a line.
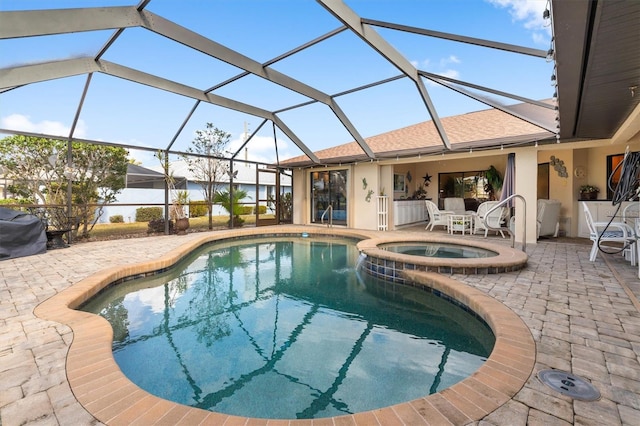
462 39
348 17
34 73
31 23
209 47
14 76
437 78
545 125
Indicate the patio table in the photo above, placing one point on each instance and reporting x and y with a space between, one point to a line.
460 223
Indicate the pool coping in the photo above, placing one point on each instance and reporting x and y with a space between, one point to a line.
99 385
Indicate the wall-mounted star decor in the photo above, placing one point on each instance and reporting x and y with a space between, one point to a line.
427 179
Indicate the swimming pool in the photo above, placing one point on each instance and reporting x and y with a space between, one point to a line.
238 319
99 385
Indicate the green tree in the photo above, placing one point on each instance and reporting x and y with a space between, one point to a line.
39 171
33 166
98 176
208 171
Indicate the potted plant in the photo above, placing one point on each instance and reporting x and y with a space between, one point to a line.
494 182
589 192
420 193
180 199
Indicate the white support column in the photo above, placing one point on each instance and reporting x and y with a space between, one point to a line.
527 186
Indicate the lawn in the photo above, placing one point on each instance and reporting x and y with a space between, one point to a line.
107 231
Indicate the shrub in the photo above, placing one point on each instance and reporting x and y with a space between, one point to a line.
262 209
157 226
246 210
146 214
197 208
116 218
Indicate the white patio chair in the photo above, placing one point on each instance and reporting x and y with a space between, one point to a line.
456 205
495 219
618 232
630 213
436 216
548 220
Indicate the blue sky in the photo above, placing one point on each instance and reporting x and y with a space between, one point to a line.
120 111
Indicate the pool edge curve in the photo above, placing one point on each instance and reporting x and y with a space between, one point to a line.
104 391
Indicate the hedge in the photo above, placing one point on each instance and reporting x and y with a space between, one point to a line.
116 218
146 214
198 208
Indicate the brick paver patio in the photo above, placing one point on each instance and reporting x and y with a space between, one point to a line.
584 318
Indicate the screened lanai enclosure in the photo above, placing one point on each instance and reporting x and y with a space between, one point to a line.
282 81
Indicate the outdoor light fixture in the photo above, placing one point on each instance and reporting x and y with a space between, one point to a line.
546 15
553 79
550 55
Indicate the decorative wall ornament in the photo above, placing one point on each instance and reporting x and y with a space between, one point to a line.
558 166
369 194
409 177
364 183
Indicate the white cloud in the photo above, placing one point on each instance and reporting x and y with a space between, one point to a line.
452 59
450 73
539 38
23 123
530 12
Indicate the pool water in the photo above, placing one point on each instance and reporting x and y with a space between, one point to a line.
286 328
440 250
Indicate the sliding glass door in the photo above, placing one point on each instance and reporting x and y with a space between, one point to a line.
329 188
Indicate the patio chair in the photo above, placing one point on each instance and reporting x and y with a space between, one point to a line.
630 213
495 219
548 219
456 205
618 232
436 216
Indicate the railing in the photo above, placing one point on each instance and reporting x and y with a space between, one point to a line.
508 228
330 222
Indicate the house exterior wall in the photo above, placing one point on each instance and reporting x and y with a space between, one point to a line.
364 209
379 176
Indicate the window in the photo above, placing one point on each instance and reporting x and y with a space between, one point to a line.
463 185
398 183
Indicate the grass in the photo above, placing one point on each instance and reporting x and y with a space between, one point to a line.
104 231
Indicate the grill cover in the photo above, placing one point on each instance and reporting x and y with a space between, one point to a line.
21 234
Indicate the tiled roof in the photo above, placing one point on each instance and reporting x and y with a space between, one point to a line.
476 129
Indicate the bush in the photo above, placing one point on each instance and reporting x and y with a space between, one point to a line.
244 210
157 226
116 218
262 209
198 208
147 214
